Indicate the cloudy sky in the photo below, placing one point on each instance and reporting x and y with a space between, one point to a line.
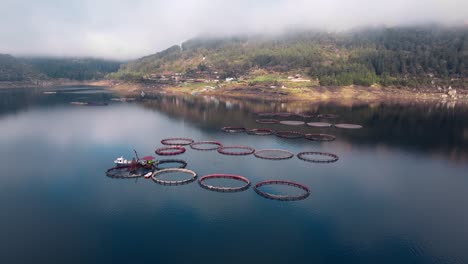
133 28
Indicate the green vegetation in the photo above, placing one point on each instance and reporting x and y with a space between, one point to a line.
408 56
27 69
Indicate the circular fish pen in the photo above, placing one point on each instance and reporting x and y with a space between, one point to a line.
244 187
236 150
177 141
182 163
260 131
266 114
157 174
128 171
329 157
289 134
170 151
233 129
268 195
285 114
292 122
206 145
319 124
267 121
328 116
319 137
273 154
348 126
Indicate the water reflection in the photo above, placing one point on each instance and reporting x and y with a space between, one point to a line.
428 128
395 196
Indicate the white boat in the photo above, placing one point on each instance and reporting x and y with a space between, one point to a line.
122 161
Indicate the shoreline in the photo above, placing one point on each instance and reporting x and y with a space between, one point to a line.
333 94
53 84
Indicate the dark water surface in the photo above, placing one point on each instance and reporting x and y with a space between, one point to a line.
398 194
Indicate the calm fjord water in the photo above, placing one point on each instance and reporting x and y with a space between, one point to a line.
398 194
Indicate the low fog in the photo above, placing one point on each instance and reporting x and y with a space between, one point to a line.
129 29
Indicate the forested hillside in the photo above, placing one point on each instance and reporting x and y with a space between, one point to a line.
26 69
407 56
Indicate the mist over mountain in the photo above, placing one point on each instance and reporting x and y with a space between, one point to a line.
407 56
131 29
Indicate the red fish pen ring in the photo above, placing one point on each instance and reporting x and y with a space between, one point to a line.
282 197
273 154
292 122
319 137
331 157
182 163
229 129
206 145
348 126
289 134
177 141
224 189
193 176
267 121
266 114
225 150
170 151
260 131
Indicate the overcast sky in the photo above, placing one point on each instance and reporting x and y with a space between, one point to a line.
130 29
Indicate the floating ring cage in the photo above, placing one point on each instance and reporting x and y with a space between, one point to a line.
306 115
289 134
329 157
206 145
244 187
233 129
282 197
170 151
260 131
292 122
177 141
182 163
273 154
284 114
319 137
267 121
266 114
244 150
193 176
328 116
128 171
319 124
348 126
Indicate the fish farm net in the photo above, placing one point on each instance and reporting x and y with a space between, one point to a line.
348 126
174 172
170 151
292 122
129 171
162 164
319 124
233 129
289 134
319 137
267 121
293 197
206 145
260 131
328 116
177 141
236 150
318 157
243 187
273 154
